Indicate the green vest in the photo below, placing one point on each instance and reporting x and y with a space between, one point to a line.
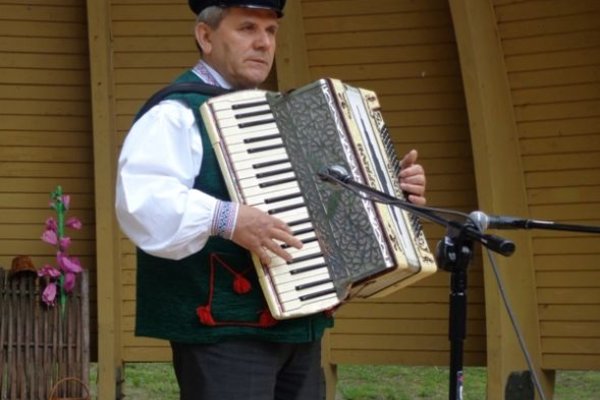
215 293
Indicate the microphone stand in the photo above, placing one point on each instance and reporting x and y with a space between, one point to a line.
453 254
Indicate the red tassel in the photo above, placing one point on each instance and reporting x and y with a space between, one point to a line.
205 316
266 319
241 285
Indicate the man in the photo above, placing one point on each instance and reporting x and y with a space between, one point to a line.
196 285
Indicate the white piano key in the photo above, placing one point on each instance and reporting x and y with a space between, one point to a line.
295 307
297 294
314 275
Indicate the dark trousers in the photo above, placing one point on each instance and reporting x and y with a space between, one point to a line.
249 370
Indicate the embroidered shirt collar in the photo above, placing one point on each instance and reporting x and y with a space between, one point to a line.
210 75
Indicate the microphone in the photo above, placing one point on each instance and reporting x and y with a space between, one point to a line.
484 221
334 174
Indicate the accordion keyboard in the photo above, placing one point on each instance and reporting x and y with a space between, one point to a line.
259 174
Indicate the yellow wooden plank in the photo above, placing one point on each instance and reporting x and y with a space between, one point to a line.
570 313
571 296
568 262
572 329
360 7
561 110
27 106
71 12
553 94
546 162
340 40
579 245
396 342
50 92
372 21
573 362
551 8
553 77
559 279
403 357
50 61
76 139
404 311
412 70
144 354
552 42
181 29
402 327
41 44
550 25
572 126
45 170
45 154
45 123
562 178
558 59
568 345
381 54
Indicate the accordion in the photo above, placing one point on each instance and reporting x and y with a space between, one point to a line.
271 148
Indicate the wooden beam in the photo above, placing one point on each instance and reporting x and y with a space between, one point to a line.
107 231
291 59
501 190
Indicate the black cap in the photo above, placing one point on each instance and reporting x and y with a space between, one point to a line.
276 5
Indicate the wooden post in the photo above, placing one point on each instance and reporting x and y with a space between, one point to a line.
107 232
290 59
501 190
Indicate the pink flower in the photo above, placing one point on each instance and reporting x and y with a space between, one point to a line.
51 224
66 200
50 237
69 282
49 294
74 223
69 264
49 271
65 242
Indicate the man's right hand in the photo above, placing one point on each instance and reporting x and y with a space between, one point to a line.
261 233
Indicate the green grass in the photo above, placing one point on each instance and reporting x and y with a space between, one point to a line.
156 381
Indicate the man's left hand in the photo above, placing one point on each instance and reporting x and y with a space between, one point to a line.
412 178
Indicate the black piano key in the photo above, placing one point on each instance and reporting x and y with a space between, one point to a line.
307 268
265 148
313 284
286 208
240 106
277 199
253 114
262 138
256 123
273 173
269 163
303 231
317 294
305 241
276 182
299 222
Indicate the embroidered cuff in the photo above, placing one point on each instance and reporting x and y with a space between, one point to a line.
224 219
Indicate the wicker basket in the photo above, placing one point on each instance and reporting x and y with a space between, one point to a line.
54 391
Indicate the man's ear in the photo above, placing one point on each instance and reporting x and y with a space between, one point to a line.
203 37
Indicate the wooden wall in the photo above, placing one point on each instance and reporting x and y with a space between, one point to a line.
45 128
552 56
405 51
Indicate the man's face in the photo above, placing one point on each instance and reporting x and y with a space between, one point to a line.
242 47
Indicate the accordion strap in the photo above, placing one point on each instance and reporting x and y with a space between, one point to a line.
181 87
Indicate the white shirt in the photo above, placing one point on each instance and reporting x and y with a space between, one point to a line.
156 204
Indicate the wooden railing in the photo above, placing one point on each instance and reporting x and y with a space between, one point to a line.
44 352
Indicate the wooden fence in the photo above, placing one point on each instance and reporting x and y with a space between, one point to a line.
44 354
